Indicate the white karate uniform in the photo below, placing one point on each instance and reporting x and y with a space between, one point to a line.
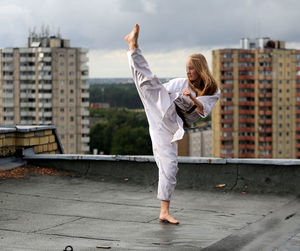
165 126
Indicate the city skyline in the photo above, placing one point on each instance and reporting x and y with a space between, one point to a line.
169 30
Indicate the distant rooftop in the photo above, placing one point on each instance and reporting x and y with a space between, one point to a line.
44 39
261 43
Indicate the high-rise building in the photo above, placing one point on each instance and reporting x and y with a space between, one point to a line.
258 115
47 83
196 141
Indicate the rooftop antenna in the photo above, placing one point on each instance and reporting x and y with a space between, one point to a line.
58 33
47 31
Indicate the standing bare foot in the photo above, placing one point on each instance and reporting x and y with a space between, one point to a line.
165 213
132 37
168 219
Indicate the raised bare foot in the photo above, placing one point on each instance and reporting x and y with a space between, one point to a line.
168 219
132 37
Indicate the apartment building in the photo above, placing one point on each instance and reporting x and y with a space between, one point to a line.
197 142
258 115
46 82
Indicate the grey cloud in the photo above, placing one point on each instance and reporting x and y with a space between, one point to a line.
165 24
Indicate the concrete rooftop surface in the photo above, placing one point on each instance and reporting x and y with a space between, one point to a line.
49 212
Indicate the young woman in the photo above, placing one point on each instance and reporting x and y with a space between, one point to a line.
169 107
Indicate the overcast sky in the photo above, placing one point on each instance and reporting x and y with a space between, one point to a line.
170 29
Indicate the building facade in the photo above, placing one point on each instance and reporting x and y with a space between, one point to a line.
197 142
258 114
47 83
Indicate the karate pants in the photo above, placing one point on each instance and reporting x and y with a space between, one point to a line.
164 123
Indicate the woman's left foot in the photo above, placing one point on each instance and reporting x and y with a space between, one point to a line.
168 219
132 37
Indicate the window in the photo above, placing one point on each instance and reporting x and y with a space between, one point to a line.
62 91
62 109
62 83
62 100
61 55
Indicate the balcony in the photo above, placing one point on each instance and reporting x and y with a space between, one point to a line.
265 95
246 112
228 129
45 96
85 139
247 120
226 77
246 155
27 95
224 138
84 77
246 77
27 59
246 103
85 95
247 94
84 112
27 68
265 103
85 130
246 86
84 67
265 139
227 147
45 77
85 122
247 146
265 121
227 103
227 121
228 86
8 77
226 60
45 87
246 129
265 148
7 95
8 114
227 95
246 60
227 112
269 112
28 77
84 58
246 68
248 138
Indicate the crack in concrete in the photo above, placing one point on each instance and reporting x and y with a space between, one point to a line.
78 216
61 224
80 237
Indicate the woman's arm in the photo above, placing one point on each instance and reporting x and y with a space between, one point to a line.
199 105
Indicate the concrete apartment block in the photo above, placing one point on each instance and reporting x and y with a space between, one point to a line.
47 83
258 113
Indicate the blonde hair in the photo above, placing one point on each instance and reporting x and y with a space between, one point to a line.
207 84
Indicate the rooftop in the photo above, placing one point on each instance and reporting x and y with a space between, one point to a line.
49 209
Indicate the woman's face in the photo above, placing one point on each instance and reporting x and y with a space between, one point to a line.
191 71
